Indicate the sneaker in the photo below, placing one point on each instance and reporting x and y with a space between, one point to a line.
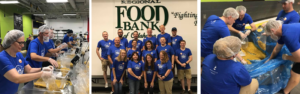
106 85
111 92
190 92
182 92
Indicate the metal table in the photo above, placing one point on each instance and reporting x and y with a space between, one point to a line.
29 88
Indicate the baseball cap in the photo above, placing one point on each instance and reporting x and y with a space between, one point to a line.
70 31
287 1
174 29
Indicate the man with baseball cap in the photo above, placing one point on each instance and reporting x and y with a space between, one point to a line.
175 43
67 39
288 14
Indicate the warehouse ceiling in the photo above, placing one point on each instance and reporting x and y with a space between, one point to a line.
56 10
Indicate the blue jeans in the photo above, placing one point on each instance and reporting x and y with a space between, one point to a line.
134 86
118 88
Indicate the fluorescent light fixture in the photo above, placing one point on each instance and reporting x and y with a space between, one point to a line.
39 14
9 2
57 1
69 14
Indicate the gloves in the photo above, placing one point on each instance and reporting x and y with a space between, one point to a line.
243 61
243 36
46 75
53 62
248 32
49 68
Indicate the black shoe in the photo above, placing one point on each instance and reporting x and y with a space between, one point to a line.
182 92
190 92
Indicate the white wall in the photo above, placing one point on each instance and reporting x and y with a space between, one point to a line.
104 18
77 25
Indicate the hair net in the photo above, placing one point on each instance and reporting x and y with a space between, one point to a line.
57 42
241 9
230 12
272 24
43 28
227 47
11 37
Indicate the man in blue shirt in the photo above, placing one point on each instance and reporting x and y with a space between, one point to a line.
114 51
67 39
241 22
163 34
123 41
104 45
149 37
286 34
168 49
183 58
175 39
215 28
288 14
37 49
139 44
73 39
50 46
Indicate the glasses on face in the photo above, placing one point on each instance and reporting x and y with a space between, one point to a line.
21 43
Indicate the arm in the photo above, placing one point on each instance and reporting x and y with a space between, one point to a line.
276 50
13 76
114 73
109 59
145 78
176 58
153 78
155 59
253 27
28 69
167 73
98 54
233 29
38 58
56 50
295 56
190 59
172 60
70 45
123 75
131 72
48 55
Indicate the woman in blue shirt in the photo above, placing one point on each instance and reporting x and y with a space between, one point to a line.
163 67
118 71
222 75
13 65
135 70
149 50
149 74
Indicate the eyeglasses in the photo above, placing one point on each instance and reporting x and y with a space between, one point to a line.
21 43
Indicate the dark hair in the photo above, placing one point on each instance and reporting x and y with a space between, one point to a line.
183 41
131 58
152 47
146 62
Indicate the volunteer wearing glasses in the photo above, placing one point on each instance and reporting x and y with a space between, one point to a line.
36 51
13 65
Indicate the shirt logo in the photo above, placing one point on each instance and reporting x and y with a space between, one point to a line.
121 67
165 49
215 67
137 67
284 18
107 46
183 56
117 52
149 72
160 66
19 69
43 52
213 22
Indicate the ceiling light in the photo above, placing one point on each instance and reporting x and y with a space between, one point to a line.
9 2
57 1
69 14
39 14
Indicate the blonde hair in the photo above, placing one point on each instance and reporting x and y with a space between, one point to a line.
119 56
166 58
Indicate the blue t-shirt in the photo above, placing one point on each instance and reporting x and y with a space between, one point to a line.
7 63
290 36
114 51
35 46
49 45
240 24
162 69
153 53
104 45
166 35
214 29
183 57
149 73
137 69
123 42
223 76
152 39
66 40
139 45
287 18
129 53
71 39
168 49
120 67
176 42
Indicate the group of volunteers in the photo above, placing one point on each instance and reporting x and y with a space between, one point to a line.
16 69
219 46
146 61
